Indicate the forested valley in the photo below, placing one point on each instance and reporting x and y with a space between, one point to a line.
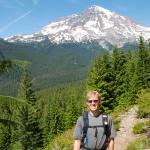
31 119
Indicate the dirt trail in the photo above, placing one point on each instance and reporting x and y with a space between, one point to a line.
125 135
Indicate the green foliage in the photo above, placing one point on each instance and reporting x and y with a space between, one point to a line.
140 128
119 71
62 141
120 76
144 103
29 116
9 120
26 92
52 64
5 65
5 138
21 64
108 76
7 106
61 107
71 112
117 123
30 130
139 144
129 80
17 146
10 79
100 78
116 118
143 66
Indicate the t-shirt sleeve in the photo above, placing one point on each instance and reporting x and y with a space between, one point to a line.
112 128
78 129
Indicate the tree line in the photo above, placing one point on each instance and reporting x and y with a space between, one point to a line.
119 75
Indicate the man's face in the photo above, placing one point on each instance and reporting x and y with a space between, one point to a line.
93 103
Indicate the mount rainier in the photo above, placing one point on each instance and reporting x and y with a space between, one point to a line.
94 24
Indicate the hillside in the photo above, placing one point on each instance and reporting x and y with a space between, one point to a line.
52 64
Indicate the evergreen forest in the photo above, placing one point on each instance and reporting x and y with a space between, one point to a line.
31 119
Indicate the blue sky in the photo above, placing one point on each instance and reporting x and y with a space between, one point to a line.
29 16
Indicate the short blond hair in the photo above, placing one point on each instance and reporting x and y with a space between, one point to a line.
93 93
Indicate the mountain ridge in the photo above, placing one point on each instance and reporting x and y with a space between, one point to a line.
96 23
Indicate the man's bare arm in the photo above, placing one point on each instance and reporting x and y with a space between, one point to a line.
77 144
111 144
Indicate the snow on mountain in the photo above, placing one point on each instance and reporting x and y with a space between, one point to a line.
96 23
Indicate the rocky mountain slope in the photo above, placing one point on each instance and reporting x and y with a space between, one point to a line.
94 24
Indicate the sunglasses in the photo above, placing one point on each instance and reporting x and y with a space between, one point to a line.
94 101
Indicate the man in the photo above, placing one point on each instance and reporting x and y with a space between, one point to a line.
96 138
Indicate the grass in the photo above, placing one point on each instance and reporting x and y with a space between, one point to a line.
140 128
62 142
115 115
139 144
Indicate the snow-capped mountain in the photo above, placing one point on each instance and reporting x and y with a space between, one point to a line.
96 23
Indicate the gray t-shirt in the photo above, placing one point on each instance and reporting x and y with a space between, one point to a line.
92 141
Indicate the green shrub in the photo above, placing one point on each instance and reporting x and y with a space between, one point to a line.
141 127
139 144
144 103
142 113
62 142
17 146
117 123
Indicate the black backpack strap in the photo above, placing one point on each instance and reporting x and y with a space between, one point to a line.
85 126
106 129
106 124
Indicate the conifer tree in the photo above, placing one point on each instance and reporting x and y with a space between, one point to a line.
101 78
31 133
71 112
47 135
119 62
94 73
7 126
143 66
55 116
106 83
129 80
5 138
5 65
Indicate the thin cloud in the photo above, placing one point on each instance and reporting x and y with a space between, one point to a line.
14 21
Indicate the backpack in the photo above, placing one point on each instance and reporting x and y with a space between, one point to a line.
86 126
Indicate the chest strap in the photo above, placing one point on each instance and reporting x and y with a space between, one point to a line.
98 126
